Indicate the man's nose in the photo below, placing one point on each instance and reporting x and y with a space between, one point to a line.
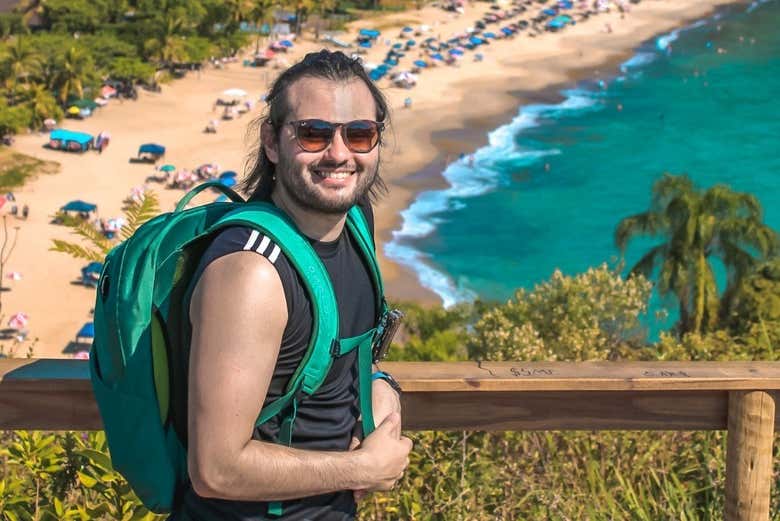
337 151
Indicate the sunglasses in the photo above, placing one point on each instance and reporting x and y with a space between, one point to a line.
315 135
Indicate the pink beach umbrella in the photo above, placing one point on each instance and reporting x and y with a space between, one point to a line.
81 355
19 320
14 275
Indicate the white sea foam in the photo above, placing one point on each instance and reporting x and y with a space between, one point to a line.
471 177
640 59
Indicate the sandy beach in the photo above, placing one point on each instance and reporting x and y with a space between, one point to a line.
452 109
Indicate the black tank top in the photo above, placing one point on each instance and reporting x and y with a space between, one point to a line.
325 420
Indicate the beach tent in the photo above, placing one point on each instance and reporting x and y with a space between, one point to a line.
68 140
87 331
79 206
91 273
84 104
153 150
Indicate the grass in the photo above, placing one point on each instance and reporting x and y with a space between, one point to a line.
16 168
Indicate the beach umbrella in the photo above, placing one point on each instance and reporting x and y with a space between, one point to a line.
286 43
228 181
107 91
456 52
228 173
407 29
14 275
74 110
81 355
86 331
437 56
420 63
79 206
18 320
411 43
237 93
167 168
398 46
489 35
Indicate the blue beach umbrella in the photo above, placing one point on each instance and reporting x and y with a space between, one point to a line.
228 173
507 31
437 56
420 63
407 29
365 44
167 168
549 12
489 35
411 43
86 331
398 46
286 43
79 206
456 52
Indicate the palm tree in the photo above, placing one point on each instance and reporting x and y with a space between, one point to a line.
71 72
21 61
697 227
42 104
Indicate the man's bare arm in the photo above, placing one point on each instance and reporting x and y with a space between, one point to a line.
238 313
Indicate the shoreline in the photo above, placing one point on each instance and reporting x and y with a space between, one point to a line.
476 120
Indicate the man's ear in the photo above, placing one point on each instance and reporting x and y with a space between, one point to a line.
270 144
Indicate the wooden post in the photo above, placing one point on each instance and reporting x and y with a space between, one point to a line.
751 424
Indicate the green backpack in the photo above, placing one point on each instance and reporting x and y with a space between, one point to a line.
139 357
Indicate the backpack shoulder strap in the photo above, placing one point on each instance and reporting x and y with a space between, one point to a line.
273 222
358 227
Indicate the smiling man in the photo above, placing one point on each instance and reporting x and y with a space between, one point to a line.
252 318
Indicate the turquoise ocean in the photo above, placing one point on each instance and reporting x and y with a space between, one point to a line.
549 188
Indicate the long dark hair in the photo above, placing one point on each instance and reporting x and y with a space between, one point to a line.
335 66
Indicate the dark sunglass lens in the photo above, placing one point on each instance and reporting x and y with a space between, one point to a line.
362 136
314 135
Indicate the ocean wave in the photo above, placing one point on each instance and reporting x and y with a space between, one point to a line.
429 277
638 60
472 176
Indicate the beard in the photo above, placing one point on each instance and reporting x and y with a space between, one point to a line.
298 185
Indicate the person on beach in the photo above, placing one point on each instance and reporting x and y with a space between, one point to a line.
252 318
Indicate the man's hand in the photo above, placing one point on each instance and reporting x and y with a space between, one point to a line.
384 401
385 455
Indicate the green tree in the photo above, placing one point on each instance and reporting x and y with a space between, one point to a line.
697 227
72 72
591 316
21 61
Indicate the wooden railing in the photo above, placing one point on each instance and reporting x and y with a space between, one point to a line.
736 396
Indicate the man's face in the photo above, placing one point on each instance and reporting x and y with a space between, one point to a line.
333 180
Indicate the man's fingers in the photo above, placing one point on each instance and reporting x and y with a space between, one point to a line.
354 443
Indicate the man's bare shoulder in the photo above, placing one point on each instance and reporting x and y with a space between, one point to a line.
239 280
